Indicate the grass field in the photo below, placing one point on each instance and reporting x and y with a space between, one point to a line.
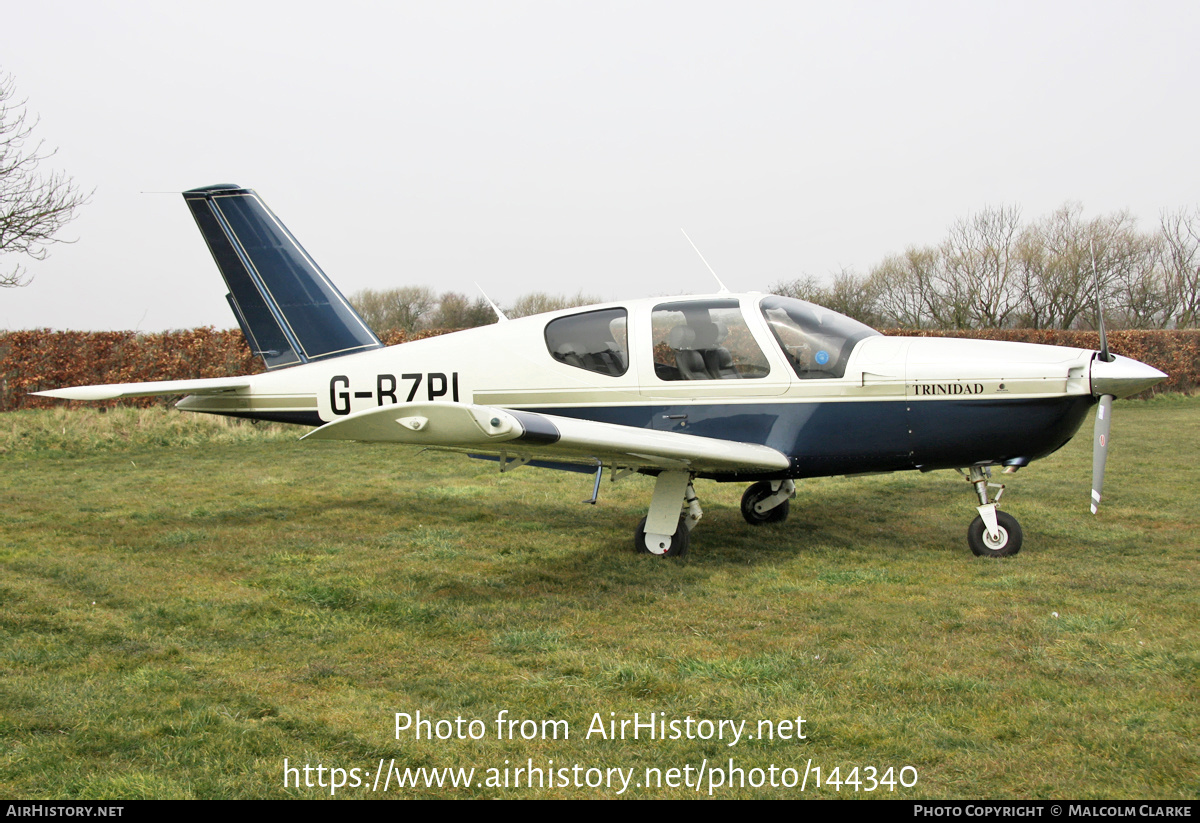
186 602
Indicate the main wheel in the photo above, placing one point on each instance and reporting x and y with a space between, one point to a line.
1010 537
679 540
756 493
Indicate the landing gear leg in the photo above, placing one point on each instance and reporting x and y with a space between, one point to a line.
665 530
993 533
768 501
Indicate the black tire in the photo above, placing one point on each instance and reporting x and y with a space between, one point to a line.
679 540
761 491
1010 537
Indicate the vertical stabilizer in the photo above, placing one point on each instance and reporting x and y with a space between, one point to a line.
288 309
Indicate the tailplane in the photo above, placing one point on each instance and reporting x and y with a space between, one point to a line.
289 310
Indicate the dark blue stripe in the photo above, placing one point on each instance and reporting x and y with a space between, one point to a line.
832 438
950 434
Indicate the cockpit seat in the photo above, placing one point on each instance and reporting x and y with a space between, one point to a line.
610 360
689 361
717 359
569 353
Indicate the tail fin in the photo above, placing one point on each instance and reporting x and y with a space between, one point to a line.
289 311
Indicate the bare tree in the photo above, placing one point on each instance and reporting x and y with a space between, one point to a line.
906 288
1032 264
991 272
34 206
1061 274
1121 258
977 276
850 293
1181 260
394 309
457 311
1139 296
538 302
807 287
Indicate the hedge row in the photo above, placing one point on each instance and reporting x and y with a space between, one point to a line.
42 359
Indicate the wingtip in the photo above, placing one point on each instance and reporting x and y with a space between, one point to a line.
79 393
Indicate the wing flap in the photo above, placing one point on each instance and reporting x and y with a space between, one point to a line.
111 391
487 429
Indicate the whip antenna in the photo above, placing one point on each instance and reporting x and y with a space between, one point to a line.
499 314
710 268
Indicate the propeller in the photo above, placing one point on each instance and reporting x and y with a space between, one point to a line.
1104 410
1100 447
1113 376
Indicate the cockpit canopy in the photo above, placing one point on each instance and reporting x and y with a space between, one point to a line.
710 339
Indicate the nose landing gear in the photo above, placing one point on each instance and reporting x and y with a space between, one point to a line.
992 533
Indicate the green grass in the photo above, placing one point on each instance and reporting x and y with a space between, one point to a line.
186 602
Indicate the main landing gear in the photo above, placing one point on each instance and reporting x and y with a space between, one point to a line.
665 531
993 533
768 501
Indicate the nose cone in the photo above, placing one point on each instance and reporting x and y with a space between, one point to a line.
1123 376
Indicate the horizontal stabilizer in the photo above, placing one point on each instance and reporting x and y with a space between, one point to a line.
111 391
482 429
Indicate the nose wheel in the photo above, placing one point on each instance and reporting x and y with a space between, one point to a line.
1004 543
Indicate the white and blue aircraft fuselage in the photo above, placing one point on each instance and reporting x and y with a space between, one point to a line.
728 387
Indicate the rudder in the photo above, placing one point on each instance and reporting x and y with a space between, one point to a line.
289 310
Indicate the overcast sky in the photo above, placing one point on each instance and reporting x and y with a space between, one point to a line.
560 146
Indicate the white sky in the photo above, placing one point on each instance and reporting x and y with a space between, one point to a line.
560 146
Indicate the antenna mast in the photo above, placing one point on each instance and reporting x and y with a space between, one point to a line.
710 268
499 314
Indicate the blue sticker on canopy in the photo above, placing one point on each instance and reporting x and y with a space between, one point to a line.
822 357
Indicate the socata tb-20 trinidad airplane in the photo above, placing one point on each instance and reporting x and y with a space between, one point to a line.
727 387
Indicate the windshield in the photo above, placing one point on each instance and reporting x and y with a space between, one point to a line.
816 341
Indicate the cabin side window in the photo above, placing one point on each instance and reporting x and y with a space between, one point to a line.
816 341
705 340
596 341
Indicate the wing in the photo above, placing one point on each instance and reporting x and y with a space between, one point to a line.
215 385
485 429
